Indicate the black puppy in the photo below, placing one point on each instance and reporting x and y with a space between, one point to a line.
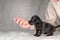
42 27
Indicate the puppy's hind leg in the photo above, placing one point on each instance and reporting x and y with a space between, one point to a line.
49 34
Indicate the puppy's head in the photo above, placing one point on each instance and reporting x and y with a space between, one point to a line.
34 20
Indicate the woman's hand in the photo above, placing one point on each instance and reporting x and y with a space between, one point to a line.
22 22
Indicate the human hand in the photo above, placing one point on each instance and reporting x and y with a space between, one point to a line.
22 22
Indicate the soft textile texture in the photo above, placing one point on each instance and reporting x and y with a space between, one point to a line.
53 11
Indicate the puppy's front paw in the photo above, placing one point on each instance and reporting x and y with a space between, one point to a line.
45 33
36 35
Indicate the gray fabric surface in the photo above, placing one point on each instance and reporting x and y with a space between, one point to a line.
18 35
23 8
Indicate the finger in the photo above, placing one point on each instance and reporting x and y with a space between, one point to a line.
16 18
21 23
26 24
19 20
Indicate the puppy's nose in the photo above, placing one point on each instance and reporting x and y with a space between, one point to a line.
30 23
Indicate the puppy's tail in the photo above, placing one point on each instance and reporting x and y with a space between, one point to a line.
57 26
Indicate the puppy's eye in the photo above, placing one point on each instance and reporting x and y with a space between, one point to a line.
32 20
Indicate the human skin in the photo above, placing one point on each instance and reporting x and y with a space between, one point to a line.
22 22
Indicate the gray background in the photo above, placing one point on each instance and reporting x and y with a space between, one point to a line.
23 8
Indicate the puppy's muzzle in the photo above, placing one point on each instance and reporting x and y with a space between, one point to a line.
31 22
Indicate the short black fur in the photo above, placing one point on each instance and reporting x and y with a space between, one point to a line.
42 27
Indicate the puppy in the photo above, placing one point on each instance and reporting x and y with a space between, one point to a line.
42 27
